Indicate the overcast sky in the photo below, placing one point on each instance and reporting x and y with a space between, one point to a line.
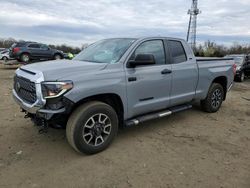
76 22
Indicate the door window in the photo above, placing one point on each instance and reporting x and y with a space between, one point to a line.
44 47
153 47
34 46
177 51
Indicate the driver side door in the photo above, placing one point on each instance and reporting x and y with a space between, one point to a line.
148 86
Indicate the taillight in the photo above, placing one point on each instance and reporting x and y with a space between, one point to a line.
234 68
15 50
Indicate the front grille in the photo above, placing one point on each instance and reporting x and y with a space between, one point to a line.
25 89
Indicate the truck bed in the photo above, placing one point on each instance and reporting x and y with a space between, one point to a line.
212 59
210 68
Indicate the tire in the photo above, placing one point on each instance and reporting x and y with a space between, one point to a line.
88 134
214 99
242 77
25 58
57 57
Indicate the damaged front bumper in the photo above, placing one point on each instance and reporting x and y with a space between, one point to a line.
41 108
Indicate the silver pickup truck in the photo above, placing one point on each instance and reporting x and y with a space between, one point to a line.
119 82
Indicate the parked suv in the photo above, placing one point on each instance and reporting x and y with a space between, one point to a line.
27 51
4 55
242 62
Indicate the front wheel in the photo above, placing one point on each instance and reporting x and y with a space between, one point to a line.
57 57
92 127
214 99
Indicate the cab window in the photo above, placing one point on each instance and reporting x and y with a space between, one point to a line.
153 47
177 51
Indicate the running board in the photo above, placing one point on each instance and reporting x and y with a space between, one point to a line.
157 115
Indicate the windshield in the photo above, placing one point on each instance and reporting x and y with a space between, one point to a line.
105 51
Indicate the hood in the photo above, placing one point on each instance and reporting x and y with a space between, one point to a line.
54 70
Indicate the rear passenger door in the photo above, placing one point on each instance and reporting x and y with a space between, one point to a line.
184 73
34 50
45 51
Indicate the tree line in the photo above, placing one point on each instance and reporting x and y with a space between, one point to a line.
207 49
6 43
211 49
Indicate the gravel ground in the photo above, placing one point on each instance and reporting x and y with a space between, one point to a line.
188 149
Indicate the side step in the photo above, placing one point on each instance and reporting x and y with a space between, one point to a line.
157 115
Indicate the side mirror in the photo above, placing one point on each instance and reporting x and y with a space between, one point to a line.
142 59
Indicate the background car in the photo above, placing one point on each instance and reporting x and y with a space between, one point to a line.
4 55
242 62
2 49
27 51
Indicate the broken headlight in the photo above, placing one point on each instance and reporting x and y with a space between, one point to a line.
55 89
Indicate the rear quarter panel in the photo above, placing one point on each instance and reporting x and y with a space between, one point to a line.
209 71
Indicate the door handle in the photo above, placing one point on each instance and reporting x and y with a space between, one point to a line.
132 79
166 71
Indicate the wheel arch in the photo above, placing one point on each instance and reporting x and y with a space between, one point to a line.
112 99
5 57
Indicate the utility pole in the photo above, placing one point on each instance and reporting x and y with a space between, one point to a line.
191 34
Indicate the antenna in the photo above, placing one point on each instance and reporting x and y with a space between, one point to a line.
191 34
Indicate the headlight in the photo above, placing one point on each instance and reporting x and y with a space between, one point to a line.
55 89
238 68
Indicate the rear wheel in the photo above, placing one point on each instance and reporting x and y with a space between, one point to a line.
25 58
92 127
214 99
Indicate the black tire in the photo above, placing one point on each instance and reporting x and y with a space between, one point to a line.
25 58
85 139
214 99
57 57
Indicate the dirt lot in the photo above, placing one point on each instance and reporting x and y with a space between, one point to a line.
188 149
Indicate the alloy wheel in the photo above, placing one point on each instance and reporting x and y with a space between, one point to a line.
216 98
25 58
57 57
242 77
97 129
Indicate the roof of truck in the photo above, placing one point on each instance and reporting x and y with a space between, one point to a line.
148 37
